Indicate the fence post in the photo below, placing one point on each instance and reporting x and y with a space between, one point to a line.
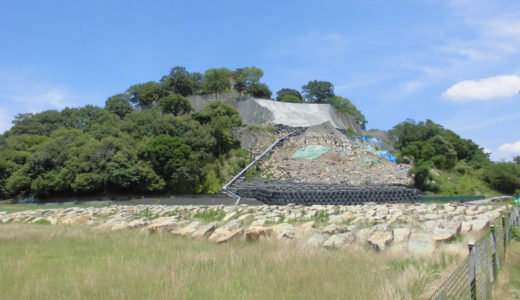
471 273
504 234
493 252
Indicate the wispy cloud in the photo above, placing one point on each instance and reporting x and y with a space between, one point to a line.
491 88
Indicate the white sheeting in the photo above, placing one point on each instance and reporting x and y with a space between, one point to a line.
299 114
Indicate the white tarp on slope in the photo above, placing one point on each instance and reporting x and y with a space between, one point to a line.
299 114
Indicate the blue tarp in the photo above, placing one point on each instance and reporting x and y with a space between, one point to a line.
370 140
388 156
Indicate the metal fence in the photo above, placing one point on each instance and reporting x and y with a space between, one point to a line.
474 277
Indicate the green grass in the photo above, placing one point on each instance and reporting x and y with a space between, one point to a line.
211 215
57 262
21 207
471 183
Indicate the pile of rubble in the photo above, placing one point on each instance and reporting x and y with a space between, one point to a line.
347 162
420 228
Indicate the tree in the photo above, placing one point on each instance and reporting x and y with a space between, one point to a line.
217 80
175 104
344 105
289 95
260 90
119 105
504 177
146 94
317 91
182 82
517 159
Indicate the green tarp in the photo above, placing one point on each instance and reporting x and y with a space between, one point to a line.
311 152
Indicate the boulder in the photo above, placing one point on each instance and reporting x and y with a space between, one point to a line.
284 231
187 230
257 233
317 239
420 243
479 224
363 234
380 240
204 231
166 224
443 235
231 235
77 220
229 216
340 240
130 225
401 235
466 227
334 228
233 225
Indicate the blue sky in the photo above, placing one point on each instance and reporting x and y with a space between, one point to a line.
452 61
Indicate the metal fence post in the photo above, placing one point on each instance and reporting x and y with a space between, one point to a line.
493 252
504 233
471 272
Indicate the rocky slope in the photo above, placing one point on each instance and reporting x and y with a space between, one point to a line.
349 161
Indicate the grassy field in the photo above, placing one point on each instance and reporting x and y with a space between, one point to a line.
56 262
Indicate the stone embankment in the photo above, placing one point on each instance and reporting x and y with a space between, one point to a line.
420 228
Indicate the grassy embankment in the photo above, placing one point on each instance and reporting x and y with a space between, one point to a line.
49 262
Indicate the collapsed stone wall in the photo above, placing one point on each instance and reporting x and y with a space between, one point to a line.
349 161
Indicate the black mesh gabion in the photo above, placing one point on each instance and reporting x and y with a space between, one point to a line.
279 192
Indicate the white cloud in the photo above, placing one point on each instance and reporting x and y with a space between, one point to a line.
506 152
485 89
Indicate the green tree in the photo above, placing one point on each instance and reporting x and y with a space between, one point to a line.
182 82
146 94
516 159
289 95
217 81
317 91
119 105
260 90
504 177
175 104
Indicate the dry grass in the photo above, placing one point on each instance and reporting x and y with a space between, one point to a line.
53 262
508 284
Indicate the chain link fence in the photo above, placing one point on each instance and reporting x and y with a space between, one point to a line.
474 277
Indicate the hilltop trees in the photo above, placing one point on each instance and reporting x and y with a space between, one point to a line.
318 91
217 81
289 95
145 94
182 82
119 105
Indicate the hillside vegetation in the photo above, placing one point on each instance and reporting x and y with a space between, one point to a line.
447 164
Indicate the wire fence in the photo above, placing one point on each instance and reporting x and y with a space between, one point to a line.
474 277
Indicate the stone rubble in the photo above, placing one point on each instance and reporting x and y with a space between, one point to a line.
421 228
344 164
